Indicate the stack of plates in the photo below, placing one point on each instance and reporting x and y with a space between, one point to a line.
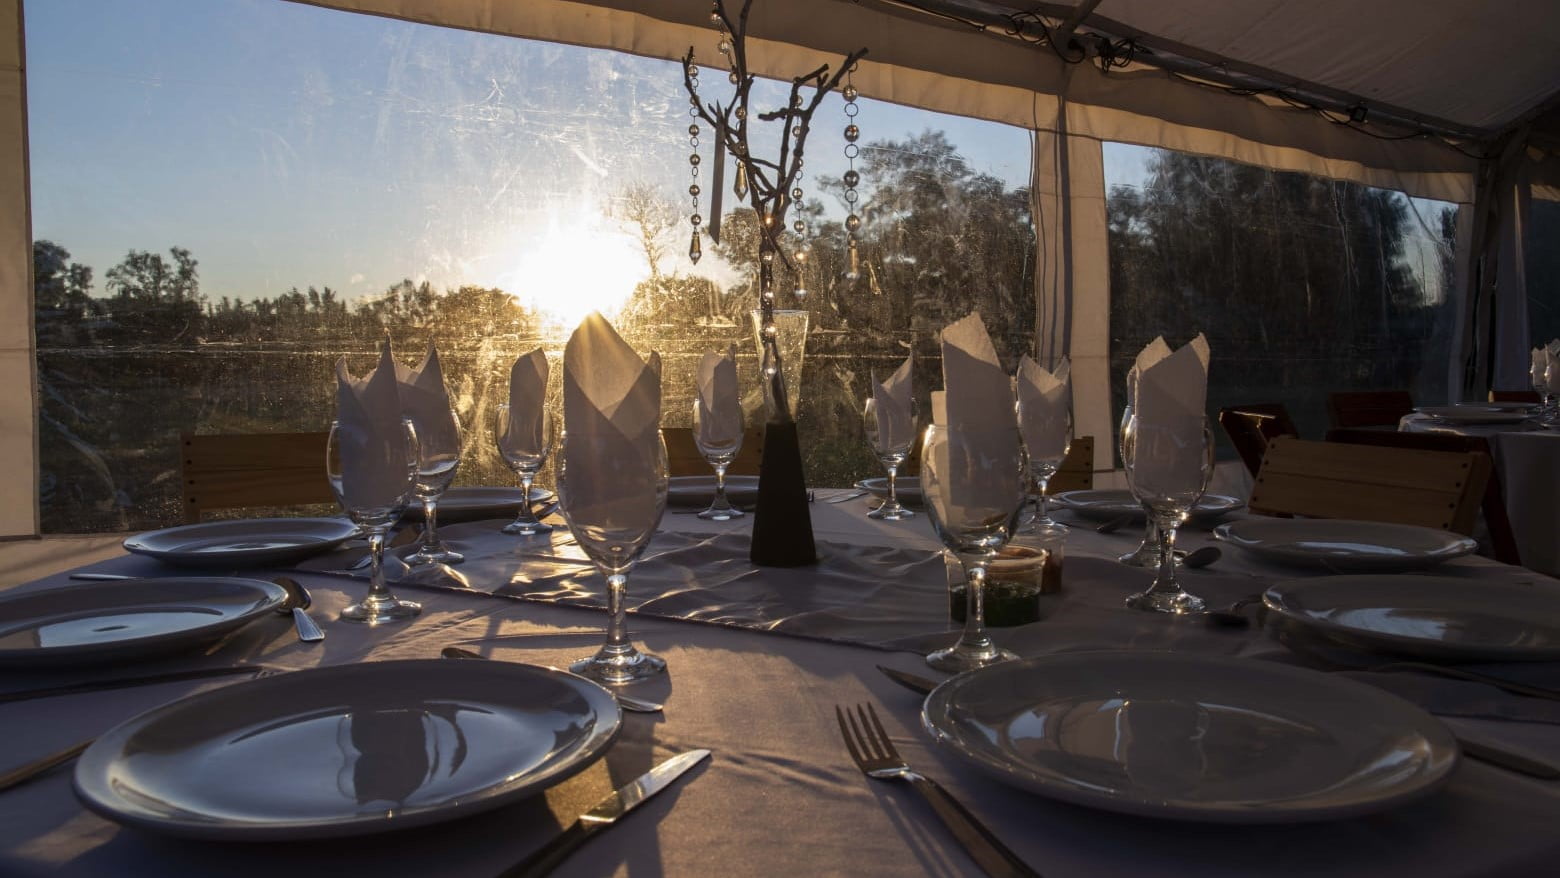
1477 413
250 542
1341 545
1108 505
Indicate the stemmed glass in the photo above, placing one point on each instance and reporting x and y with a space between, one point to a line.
891 456
973 527
1545 385
374 508
1041 470
436 466
613 535
1147 552
719 454
525 453
1168 470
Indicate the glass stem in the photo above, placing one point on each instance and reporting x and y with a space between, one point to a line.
1040 502
525 505
720 487
1164 577
893 488
376 568
617 624
974 637
431 519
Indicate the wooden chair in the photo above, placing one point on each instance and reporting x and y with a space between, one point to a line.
1439 489
1503 541
1527 396
1252 426
240 470
683 457
1077 470
1368 408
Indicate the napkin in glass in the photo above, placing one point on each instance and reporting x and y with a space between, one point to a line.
720 407
1044 403
977 405
1170 406
1153 352
1552 366
612 417
894 402
370 436
527 403
427 403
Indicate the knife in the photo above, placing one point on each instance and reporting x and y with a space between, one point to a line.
913 682
606 812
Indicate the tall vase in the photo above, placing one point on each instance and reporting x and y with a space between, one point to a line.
782 522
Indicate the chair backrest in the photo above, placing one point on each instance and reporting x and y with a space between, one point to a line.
1439 489
1077 470
1503 540
1368 408
1251 426
1529 396
239 470
683 457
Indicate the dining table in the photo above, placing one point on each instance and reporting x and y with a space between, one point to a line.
758 661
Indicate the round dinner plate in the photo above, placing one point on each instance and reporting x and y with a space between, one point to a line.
132 618
1184 737
1345 546
690 491
1108 505
1474 414
1431 617
907 487
474 503
347 750
243 542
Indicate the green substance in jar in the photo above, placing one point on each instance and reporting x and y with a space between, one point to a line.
1007 603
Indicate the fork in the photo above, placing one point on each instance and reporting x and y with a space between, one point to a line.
877 758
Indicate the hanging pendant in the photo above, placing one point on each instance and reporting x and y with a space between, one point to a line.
740 187
855 262
694 249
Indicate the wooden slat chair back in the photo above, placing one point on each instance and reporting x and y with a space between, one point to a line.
1438 489
1503 541
240 470
1368 408
683 457
1252 426
1077 470
1527 396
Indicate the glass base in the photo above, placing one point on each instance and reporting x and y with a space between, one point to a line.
727 514
958 658
1046 526
526 528
438 556
1178 602
617 668
891 510
377 611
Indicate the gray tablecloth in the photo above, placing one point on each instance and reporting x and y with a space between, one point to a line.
780 795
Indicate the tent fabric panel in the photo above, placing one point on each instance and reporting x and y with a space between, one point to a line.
1429 56
18 397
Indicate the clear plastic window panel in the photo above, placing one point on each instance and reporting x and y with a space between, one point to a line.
1543 271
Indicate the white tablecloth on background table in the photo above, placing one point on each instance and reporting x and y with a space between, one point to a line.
1528 460
780 796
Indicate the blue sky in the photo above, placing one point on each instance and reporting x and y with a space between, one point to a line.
286 145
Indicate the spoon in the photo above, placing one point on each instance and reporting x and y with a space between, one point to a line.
298 601
1115 524
1231 616
628 702
1201 557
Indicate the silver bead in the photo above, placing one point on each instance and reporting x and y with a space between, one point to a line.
851 178
799 226
715 18
852 133
768 256
796 194
694 190
849 93
695 220
796 100
693 130
852 222
724 47
693 159
732 76
741 111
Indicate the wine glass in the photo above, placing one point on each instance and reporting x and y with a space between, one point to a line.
366 473
1168 468
719 452
524 451
1147 552
1042 467
436 466
613 530
891 455
1551 381
973 500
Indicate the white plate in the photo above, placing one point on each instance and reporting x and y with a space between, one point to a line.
1185 737
347 750
475 503
908 488
1474 414
247 542
1342 546
690 491
1108 505
110 621
1432 617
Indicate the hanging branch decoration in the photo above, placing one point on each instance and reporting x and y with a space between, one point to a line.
765 184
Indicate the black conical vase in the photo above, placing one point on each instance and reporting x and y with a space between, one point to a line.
782 523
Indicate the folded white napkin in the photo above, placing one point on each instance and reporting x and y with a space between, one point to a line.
612 417
527 404
427 403
370 437
1172 394
982 479
1537 363
894 402
1044 408
720 406
1155 351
